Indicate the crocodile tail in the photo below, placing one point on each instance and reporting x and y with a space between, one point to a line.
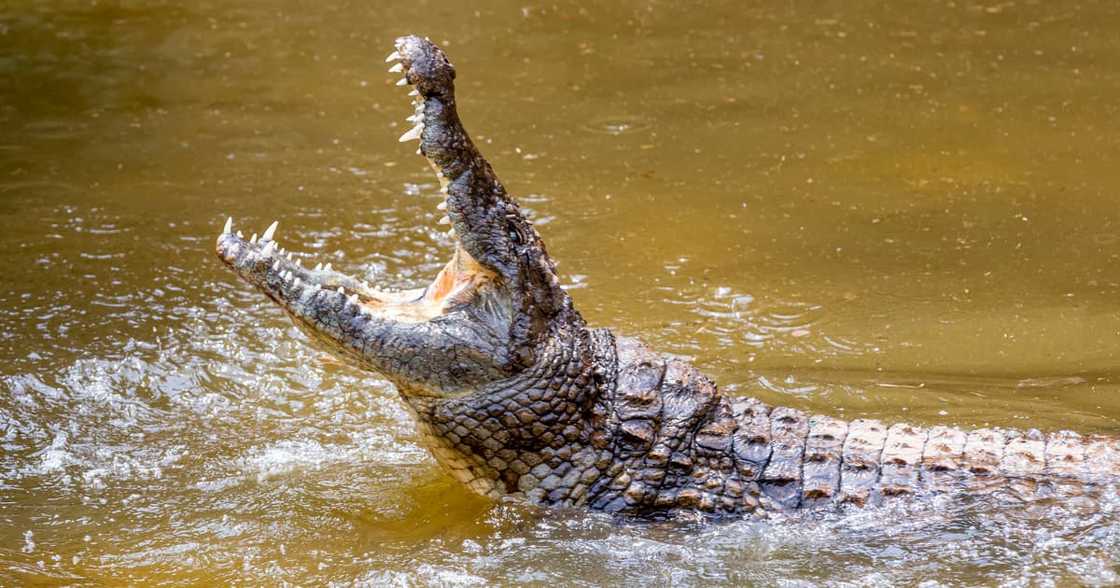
801 461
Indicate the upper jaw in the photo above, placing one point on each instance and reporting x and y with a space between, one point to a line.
486 222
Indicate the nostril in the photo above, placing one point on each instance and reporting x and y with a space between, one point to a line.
425 64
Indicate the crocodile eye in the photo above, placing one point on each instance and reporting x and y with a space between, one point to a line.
517 234
518 231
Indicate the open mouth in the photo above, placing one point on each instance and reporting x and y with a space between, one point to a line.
321 290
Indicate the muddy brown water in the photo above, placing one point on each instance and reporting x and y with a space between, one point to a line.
896 210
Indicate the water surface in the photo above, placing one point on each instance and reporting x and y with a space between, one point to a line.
903 211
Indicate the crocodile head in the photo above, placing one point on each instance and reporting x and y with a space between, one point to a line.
485 315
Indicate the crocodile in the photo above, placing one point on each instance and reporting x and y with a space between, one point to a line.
515 395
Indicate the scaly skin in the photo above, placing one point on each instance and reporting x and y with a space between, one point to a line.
517 396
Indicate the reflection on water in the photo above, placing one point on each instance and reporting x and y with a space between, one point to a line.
849 208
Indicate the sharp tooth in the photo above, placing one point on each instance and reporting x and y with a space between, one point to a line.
402 82
414 92
393 57
442 205
270 231
327 267
276 265
397 68
340 291
253 239
444 220
451 232
413 133
239 235
228 227
318 266
419 152
415 118
268 248
289 256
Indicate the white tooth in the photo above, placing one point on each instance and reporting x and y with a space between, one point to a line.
413 92
451 232
397 68
419 152
268 248
289 256
327 267
340 291
402 82
239 235
296 283
276 265
415 118
318 266
282 251
253 239
229 226
442 205
393 57
270 231
413 133
444 220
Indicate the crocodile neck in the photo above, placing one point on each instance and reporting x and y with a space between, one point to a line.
599 422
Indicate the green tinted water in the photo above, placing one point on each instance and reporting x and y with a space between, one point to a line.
904 211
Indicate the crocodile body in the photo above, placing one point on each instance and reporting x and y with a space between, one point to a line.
634 432
517 395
